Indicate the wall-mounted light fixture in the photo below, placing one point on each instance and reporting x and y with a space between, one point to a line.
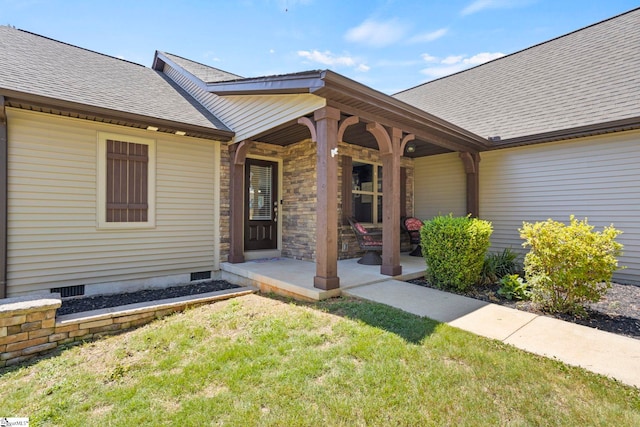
152 128
411 148
334 152
181 133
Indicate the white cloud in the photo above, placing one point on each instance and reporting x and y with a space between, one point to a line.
483 57
428 37
452 59
454 63
331 60
375 33
479 5
441 71
429 58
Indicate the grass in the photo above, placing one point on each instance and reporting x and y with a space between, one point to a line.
263 361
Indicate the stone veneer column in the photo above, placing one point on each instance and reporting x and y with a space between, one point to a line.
327 199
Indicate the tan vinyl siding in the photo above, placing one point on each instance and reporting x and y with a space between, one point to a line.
440 186
595 177
53 239
249 116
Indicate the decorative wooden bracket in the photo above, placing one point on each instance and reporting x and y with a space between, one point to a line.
345 124
382 137
306 121
405 140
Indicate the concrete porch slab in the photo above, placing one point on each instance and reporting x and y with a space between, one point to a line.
294 278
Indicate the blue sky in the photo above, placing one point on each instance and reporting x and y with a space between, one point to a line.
389 45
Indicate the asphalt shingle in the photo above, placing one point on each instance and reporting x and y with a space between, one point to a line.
41 66
586 77
204 72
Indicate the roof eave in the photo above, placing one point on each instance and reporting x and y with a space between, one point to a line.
323 83
621 125
114 116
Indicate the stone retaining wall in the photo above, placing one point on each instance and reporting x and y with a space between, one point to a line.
29 326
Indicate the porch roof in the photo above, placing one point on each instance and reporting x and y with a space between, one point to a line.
433 135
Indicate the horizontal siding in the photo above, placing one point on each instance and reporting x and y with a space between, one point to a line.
596 177
440 186
52 236
248 115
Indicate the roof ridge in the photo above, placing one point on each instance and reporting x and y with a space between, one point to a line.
74 46
204 65
521 50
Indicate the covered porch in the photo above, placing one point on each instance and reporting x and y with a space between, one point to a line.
295 278
317 156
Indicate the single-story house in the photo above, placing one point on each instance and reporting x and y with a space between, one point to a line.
118 176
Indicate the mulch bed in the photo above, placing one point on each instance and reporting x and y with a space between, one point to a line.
76 305
617 312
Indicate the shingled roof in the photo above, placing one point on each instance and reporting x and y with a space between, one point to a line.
582 79
36 67
205 73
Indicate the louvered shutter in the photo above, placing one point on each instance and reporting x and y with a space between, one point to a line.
127 181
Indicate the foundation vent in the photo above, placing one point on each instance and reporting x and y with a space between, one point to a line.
200 275
69 291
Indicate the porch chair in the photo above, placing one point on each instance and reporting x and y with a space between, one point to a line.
412 226
369 241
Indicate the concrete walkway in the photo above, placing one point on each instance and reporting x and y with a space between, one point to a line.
597 351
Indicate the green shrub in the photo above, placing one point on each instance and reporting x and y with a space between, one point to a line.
498 265
569 265
513 287
454 249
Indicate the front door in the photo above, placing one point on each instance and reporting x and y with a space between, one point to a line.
261 205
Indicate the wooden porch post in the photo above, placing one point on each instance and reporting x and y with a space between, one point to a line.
391 207
327 199
237 157
4 194
471 168
390 151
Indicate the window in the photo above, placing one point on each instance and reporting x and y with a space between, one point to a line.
366 192
126 185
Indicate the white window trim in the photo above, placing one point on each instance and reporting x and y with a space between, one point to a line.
101 179
374 193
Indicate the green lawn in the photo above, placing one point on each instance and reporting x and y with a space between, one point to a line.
262 361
